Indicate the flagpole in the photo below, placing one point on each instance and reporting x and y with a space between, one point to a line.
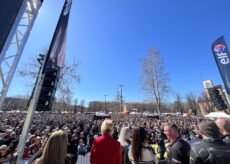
29 116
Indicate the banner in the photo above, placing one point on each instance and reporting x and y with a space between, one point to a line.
57 50
9 10
221 55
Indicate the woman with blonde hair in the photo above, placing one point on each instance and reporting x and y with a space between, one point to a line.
55 150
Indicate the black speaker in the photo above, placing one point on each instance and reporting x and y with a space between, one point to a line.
49 87
216 98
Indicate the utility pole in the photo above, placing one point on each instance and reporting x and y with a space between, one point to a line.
105 103
75 105
121 103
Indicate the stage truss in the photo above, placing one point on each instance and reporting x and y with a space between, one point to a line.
12 51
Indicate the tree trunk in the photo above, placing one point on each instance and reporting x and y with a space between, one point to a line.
158 108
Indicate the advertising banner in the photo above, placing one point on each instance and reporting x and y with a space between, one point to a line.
57 51
221 55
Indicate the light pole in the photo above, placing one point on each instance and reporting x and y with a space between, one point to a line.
105 103
121 105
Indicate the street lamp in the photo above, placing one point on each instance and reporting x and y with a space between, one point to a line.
105 103
121 105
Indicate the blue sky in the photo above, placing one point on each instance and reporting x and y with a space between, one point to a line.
109 37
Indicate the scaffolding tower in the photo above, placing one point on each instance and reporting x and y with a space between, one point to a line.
16 40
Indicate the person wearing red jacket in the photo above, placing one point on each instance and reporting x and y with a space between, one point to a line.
105 149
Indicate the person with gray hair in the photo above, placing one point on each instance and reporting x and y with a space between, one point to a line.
124 137
224 126
105 149
125 140
178 149
211 150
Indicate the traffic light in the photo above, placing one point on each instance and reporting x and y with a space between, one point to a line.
49 86
216 98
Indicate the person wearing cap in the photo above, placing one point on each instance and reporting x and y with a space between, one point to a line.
105 149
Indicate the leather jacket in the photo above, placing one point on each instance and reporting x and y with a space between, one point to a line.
226 139
210 151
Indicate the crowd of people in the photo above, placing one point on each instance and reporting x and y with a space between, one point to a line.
83 138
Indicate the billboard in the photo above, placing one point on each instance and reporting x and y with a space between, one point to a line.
207 84
9 10
222 56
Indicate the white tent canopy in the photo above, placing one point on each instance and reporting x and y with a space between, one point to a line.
217 115
135 113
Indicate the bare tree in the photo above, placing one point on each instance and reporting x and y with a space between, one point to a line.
96 106
192 102
68 76
205 105
154 78
178 106
111 106
65 98
119 99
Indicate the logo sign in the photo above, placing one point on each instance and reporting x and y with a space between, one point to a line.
222 56
219 48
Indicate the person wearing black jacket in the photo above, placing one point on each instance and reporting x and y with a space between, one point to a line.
224 126
211 150
226 139
179 149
